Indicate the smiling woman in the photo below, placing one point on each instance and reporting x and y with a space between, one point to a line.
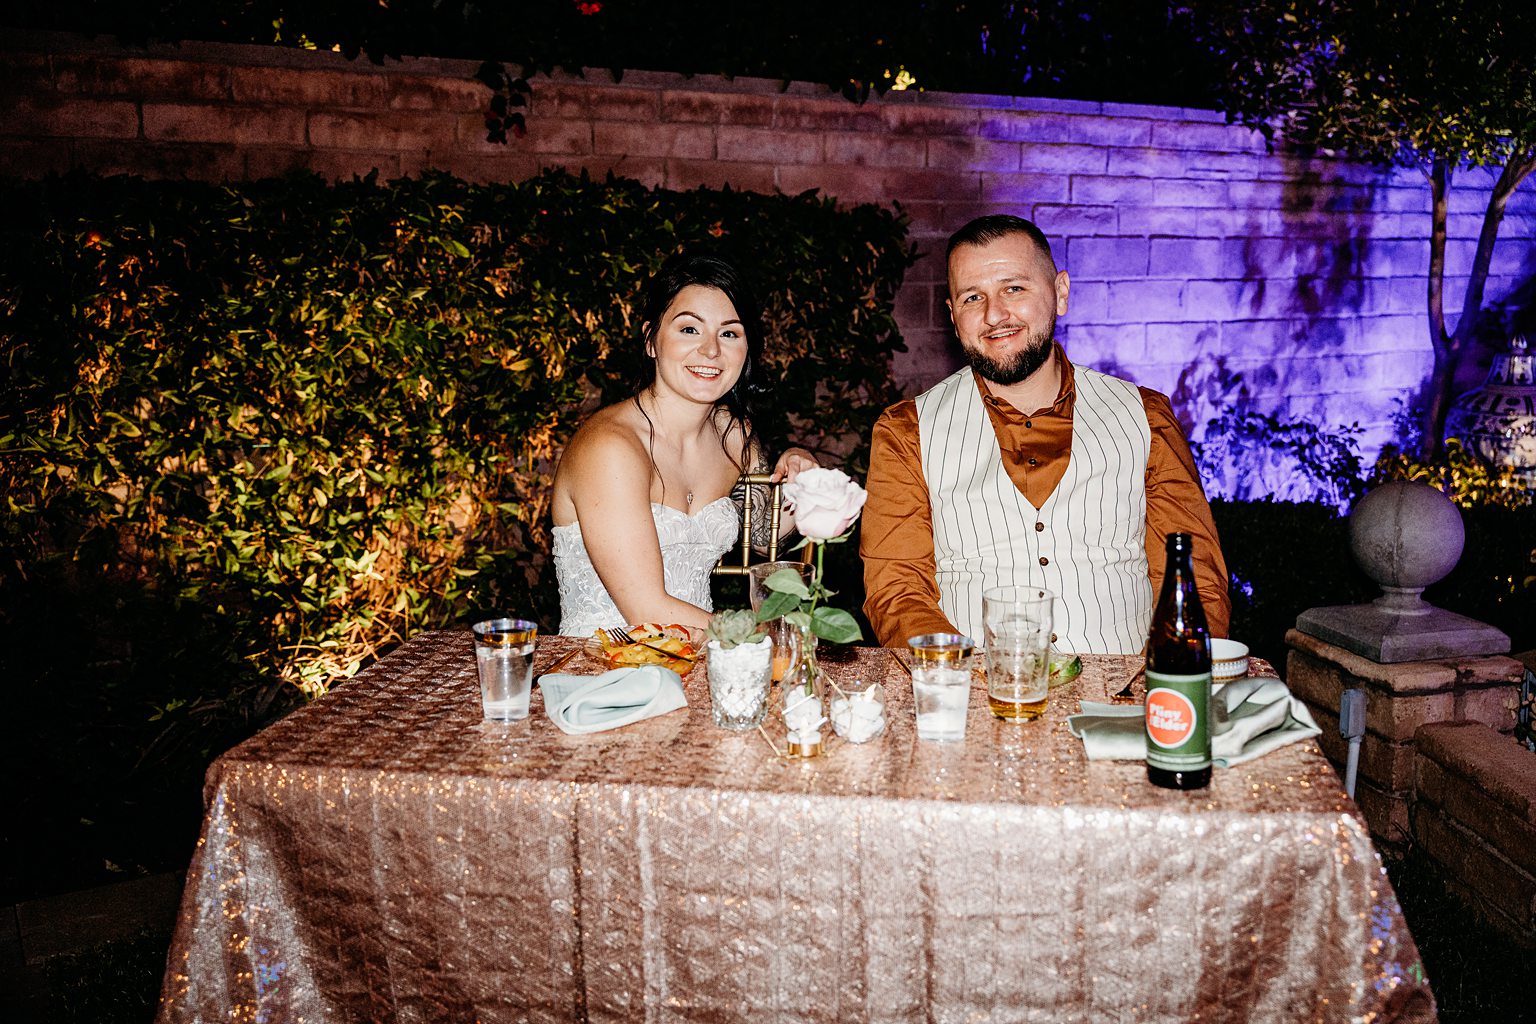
642 504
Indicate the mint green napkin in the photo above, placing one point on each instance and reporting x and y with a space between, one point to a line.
585 704
1249 718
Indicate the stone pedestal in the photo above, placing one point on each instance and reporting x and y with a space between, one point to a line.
1399 699
1384 632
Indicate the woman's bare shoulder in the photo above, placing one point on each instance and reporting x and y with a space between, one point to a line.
610 432
606 458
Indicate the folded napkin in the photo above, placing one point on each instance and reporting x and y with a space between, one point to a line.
583 704
1249 717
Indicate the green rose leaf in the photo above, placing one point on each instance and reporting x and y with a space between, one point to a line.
777 603
835 626
788 581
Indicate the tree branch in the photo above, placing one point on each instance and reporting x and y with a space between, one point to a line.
1515 170
1439 183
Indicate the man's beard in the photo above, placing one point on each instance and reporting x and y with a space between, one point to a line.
1014 368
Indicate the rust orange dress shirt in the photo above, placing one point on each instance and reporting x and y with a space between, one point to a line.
896 535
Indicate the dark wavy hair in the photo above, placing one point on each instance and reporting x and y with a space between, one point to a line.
710 270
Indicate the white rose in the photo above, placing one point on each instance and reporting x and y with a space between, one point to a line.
825 502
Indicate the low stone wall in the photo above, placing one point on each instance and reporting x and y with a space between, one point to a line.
1400 699
1474 815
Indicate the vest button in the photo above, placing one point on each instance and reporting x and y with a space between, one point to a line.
1039 527
1028 424
1031 462
1044 560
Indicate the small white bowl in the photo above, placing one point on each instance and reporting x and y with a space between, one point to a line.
1229 660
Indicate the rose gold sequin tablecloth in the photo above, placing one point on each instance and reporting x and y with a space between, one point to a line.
383 854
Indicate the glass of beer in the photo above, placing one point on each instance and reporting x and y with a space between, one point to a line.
1017 623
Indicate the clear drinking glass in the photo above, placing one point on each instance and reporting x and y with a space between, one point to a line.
504 656
1017 621
941 684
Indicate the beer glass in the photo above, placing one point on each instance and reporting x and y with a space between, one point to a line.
1017 624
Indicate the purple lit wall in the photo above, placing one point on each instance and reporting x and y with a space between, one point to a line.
1201 265
1218 273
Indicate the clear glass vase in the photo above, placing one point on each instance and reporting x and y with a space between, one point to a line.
802 706
739 678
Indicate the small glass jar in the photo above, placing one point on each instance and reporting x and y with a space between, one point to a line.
857 710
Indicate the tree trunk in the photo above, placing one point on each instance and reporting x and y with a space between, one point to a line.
1451 348
1444 369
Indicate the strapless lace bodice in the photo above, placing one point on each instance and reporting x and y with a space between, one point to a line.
690 547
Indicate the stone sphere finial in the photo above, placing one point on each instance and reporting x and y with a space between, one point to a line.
1406 535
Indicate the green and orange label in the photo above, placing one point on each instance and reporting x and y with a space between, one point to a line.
1177 719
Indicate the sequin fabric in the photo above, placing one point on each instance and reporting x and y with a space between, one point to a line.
384 854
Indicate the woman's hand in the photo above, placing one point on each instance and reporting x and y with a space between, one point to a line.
792 463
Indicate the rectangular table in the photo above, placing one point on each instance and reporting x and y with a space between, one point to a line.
383 854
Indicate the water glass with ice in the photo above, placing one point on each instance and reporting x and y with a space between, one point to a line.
941 684
504 655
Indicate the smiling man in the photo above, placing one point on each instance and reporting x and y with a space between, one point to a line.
1022 469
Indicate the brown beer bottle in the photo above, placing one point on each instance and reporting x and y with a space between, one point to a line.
1179 678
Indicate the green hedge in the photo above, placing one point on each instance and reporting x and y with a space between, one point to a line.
329 412
253 434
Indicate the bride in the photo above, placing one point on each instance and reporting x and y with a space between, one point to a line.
642 497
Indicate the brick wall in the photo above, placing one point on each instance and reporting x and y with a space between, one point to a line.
1475 815
1196 257
1400 700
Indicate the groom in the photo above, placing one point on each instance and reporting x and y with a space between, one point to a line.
1024 469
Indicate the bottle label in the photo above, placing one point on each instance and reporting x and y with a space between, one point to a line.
1178 721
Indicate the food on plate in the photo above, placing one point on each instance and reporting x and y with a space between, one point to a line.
1065 667
653 644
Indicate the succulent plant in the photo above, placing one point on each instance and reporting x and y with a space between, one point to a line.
733 627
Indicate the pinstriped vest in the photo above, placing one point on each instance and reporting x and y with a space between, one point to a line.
1093 540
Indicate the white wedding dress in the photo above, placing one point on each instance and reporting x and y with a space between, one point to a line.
690 548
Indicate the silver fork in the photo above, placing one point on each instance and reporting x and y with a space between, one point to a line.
619 636
1126 692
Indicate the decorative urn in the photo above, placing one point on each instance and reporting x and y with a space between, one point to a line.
1498 420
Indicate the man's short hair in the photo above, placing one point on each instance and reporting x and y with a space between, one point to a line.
984 230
